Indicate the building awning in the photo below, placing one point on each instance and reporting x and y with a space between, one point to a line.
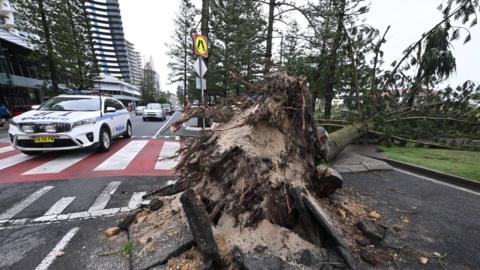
15 39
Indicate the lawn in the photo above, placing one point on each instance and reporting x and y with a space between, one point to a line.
462 163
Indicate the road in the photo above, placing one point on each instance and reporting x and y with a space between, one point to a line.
430 216
64 200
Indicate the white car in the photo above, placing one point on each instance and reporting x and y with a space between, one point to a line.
69 122
139 110
154 111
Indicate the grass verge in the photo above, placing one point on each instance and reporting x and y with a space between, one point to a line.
461 163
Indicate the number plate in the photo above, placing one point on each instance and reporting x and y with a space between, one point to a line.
44 139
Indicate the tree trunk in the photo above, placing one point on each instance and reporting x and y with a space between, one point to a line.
332 61
268 54
341 138
48 40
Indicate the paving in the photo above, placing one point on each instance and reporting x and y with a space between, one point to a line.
350 162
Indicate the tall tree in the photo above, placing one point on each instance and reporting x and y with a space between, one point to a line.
180 49
238 29
72 34
148 85
34 18
62 39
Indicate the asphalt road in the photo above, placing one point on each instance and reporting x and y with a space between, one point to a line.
432 217
39 218
31 246
145 128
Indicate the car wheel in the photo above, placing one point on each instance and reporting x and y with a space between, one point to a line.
32 153
128 132
144 119
105 140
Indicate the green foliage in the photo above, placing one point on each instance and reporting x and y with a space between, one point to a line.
149 83
71 51
180 50
237 43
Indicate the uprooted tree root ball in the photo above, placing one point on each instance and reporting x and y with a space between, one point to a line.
251 186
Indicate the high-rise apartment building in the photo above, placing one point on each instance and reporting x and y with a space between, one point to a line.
6 16
108 37
135 63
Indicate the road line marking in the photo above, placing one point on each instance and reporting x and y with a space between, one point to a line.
59 206
20 206
50 258
438 182
14 160
59 164
102 199
123 157
6 149
136 200
167 159
167 123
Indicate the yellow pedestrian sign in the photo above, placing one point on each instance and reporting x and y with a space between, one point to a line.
200 44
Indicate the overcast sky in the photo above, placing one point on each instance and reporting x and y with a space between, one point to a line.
149 25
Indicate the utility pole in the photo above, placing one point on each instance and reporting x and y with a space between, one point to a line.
185 47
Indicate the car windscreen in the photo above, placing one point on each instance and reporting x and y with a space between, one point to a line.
154 107
166 106
70 104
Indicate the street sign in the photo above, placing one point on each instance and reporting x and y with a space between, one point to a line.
200 67
201 84
200 44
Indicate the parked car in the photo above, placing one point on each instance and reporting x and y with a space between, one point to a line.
139 110
154 111
69 122
167 108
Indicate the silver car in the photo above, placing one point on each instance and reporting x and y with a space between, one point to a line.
139 110
154 111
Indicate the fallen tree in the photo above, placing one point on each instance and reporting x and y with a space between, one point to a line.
254 177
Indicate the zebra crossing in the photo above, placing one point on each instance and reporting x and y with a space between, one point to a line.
57 213
152 157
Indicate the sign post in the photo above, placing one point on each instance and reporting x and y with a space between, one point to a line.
200 45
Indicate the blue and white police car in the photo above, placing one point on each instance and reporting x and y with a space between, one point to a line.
69 122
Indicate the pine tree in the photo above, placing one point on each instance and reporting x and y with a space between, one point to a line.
238 42
61 38
181 48
34 19
149 83
76 56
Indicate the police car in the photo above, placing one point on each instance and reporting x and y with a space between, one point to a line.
69 122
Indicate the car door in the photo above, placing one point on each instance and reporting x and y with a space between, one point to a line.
110 117
122 116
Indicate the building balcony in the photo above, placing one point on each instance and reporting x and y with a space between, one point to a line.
5 10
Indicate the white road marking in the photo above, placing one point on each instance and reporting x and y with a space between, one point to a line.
136 200
166 160
59 206
20 206
102 199
50 258
167 123
59 164
6 149
14 160
438 182
121 159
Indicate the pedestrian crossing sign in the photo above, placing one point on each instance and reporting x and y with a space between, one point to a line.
200 44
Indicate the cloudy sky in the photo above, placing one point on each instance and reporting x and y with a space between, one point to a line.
149 25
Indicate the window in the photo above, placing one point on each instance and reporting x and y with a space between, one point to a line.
109 103
118 105
70 104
